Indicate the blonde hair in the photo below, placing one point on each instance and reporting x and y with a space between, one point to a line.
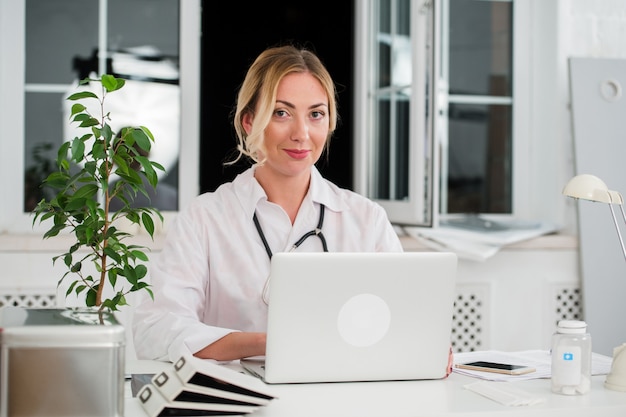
258 93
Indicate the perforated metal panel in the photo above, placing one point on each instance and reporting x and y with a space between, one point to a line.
567 304
28 299
469 321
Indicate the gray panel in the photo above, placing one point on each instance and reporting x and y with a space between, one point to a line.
599 123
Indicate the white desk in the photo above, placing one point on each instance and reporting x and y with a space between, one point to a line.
416 399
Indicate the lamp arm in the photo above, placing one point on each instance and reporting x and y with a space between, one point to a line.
619 234
621 208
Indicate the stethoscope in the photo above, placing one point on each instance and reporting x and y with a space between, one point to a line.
316 232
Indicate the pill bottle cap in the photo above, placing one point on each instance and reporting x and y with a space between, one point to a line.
571 326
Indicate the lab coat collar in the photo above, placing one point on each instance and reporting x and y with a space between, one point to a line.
324 192
249 192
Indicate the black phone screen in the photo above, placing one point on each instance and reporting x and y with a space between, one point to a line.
494 365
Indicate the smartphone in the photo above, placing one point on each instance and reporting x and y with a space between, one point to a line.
500 368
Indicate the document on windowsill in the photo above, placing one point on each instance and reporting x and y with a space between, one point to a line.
538 359
477 238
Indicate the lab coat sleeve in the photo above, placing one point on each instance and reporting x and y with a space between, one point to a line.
172 325
387 240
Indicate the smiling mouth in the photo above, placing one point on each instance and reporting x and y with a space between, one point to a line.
297 153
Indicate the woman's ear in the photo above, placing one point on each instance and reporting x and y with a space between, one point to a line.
246 122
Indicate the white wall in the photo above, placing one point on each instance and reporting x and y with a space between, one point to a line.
591 29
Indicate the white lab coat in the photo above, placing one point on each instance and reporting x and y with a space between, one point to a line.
209 278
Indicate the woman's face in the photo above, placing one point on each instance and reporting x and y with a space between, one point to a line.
299 127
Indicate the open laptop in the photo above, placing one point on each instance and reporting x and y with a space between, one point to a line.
358 317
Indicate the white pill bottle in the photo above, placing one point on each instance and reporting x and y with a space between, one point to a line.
571 358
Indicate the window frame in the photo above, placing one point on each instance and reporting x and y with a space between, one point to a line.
13 220
416 209
523 204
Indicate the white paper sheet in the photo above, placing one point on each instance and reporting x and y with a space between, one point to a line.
538 359
475 244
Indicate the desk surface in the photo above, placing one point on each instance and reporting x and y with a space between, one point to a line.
415 399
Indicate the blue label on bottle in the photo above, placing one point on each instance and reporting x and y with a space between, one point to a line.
568 356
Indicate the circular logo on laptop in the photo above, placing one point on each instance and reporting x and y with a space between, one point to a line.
363 320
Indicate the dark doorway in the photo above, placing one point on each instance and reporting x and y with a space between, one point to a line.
233 34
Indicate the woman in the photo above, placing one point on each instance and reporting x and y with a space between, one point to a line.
209 282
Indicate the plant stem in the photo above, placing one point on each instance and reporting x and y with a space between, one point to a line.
105 241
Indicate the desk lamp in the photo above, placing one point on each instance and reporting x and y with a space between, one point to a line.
592 188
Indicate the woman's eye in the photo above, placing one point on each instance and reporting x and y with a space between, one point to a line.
317 114
280 113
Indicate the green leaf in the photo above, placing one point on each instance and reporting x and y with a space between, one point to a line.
147 132
141 271
107 132
82 94
97 151
77 108
110 83
112 254
78 150
75 204
53 231
130 274
71 287
62 153
122 166
67 259
90 299
141 139
149 292
113 277
122 301
76 267
86 191
140 255
57 179
133 178
89 122
110 304
74 247
149 170
133 217
148 223
158 166
92 205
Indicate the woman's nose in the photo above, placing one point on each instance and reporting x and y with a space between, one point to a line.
300 130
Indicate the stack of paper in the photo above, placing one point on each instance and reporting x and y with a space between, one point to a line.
477 238
199 387
541 360
504 393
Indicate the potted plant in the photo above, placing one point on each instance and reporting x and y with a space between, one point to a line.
93 170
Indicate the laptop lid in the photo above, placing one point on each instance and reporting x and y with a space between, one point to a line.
359 316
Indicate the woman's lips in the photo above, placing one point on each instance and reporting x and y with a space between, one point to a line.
297 153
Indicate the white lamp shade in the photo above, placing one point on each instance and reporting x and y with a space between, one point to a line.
616 197
589 187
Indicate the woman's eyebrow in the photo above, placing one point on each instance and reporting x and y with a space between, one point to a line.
291 105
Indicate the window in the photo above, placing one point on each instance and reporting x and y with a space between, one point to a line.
395 164
476 169
437 107
54 44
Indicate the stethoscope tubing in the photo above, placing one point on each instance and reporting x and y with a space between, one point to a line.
317 232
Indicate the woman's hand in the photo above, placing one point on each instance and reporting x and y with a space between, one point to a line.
236 345
450 362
